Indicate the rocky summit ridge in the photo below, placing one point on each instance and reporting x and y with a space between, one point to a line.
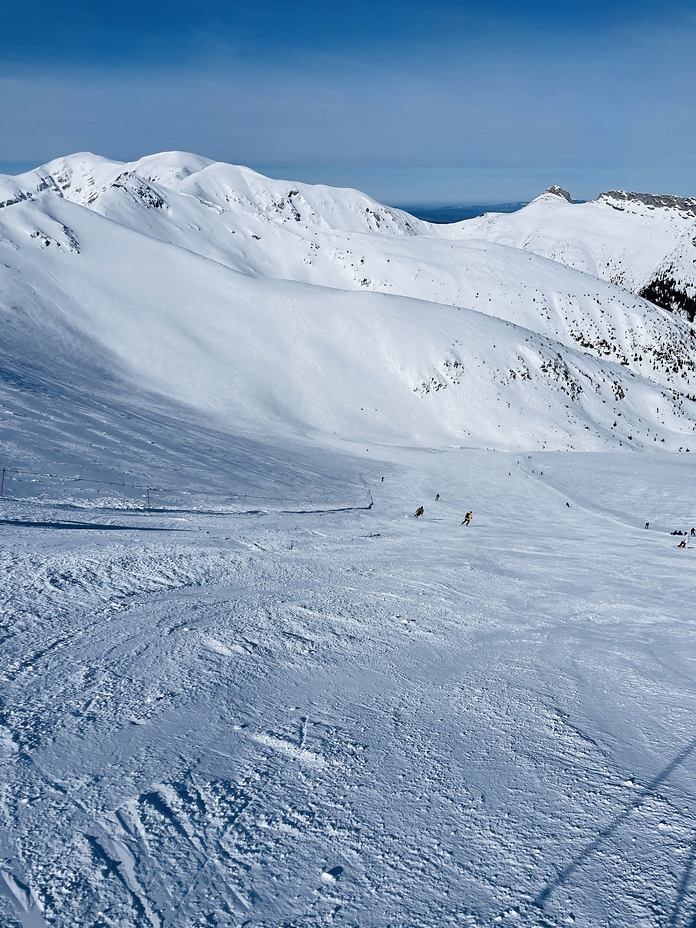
659 201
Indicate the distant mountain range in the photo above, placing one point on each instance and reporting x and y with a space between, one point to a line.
274 308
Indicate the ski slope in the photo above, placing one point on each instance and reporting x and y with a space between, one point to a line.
356 717
240 683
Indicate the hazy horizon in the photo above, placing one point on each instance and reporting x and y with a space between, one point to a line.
483 196
449 102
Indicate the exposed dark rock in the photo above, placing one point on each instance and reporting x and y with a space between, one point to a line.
559 192
685 204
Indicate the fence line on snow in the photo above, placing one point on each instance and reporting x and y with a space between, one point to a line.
186 497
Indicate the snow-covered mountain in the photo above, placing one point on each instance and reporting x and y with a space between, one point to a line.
643 242
273 307
241 684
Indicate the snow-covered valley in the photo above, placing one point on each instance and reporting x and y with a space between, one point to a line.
241 683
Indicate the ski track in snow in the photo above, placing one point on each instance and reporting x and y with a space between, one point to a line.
356 718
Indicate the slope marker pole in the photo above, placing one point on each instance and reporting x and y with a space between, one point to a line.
2 482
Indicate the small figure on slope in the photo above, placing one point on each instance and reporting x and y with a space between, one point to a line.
418 512
468 517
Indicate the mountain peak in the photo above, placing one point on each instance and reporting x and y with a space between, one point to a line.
559 192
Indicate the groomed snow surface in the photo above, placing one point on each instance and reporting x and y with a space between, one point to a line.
287 715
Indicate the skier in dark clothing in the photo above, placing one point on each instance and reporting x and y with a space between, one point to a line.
418 512
468 517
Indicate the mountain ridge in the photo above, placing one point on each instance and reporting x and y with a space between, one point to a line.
280 308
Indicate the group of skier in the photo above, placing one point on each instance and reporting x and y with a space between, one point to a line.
420 511
685 535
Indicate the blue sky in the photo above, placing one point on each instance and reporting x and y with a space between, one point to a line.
414 102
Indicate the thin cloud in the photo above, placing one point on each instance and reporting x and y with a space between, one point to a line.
561 106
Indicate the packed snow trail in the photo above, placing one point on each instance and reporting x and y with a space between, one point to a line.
354 718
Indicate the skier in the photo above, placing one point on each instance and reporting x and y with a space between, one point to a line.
682 543
693 531
418 512
468 517
437 497
647 525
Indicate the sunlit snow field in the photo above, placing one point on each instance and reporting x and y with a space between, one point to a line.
285 715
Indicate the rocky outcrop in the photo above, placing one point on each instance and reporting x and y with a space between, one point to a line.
684 204
559 192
